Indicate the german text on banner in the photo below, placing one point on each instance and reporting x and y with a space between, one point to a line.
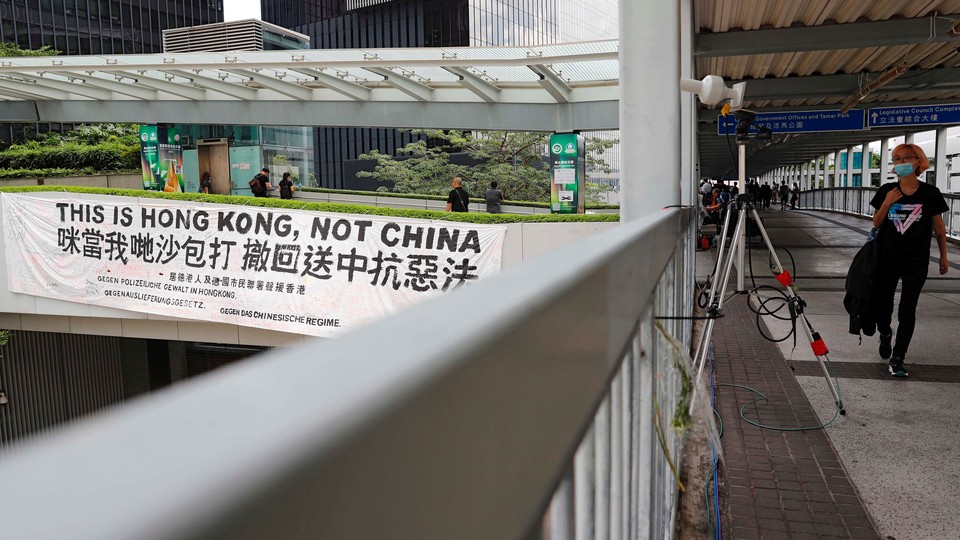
290 270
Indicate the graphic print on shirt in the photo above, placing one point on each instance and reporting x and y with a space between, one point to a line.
904 215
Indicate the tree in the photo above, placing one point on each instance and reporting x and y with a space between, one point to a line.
12 49
515 160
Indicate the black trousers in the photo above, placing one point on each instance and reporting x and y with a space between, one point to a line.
912 277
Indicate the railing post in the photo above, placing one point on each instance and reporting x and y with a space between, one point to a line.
584 482
561 510
643 347
601 492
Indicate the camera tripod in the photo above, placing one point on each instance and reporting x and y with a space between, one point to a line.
794 302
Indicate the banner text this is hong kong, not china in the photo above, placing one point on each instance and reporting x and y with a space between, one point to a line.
261 267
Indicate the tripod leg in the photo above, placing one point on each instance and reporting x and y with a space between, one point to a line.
785 279
716 304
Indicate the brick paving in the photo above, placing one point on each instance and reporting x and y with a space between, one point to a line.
776 484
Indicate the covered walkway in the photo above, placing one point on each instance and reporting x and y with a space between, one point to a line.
881 468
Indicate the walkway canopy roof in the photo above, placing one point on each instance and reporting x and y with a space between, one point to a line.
555 87
823 54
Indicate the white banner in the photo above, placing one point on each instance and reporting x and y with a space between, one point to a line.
291 270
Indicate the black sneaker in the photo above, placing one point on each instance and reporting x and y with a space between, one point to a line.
885 349
896 367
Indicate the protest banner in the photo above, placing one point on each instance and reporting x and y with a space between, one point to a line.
290 270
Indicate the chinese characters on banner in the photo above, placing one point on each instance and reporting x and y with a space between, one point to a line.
295 271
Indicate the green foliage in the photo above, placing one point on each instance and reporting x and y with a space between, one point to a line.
531 204
515 160
98 148
465 217
12 49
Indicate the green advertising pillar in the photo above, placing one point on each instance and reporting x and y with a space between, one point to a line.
568 173
161 159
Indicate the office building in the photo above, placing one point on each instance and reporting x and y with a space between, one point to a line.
346 24
99 27
83 27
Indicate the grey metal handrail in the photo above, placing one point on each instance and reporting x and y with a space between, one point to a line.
856 201
455 419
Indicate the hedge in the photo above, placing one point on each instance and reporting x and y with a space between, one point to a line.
18 174
107 156
465 217
532 204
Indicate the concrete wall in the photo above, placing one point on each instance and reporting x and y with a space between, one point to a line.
26 312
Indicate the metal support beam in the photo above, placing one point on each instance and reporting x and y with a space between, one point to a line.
217 85
166 86
649 45
33 90
115 86
293 90
861 35
940 161
74 86
408 86
884 160
482 88
354 91
865 164
557 87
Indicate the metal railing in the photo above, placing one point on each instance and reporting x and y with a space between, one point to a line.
458 418
856 201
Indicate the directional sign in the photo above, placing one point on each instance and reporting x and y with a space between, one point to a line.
798 122
914 116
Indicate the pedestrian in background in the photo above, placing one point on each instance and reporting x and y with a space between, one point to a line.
458 200
494 197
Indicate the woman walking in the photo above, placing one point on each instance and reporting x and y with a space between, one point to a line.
907 212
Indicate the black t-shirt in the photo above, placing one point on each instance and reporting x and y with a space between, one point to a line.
907 229
263 179
459 198
285 191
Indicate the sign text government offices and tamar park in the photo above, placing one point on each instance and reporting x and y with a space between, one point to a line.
852 120
289 270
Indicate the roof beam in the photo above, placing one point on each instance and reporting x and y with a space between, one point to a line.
118 87
554 85
166 86
217 85
485 90
859 35
73 86
33 90
408 86
293 90
354 91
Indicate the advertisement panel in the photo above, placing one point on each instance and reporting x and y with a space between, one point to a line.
161 159
567 173
289 270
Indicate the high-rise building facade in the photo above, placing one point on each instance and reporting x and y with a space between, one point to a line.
347 24
100 26
96 27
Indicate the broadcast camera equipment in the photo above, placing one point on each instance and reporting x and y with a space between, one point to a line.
745 121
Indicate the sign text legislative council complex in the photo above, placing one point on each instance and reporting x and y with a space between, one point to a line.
289 270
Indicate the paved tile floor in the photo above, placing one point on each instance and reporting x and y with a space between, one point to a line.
880 471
